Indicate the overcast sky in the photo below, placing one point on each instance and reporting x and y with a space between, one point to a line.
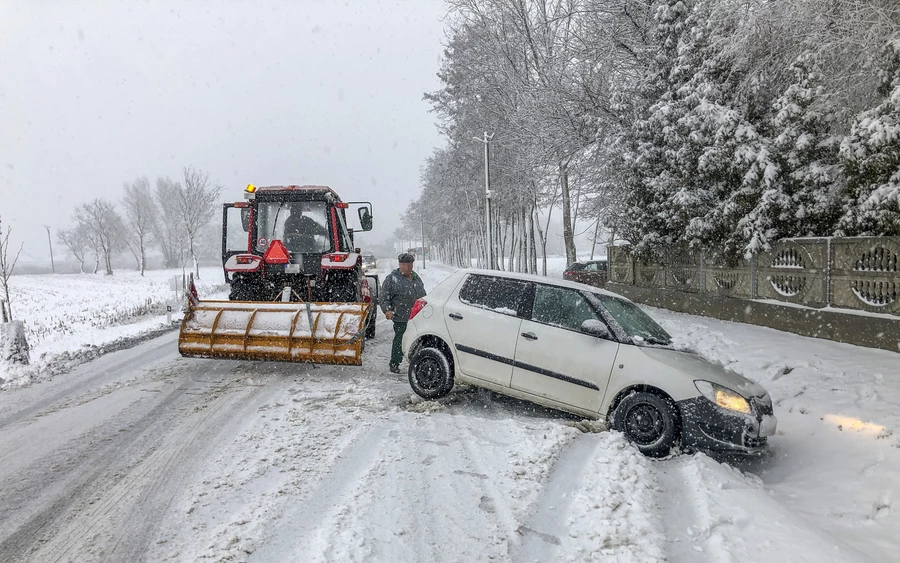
94 94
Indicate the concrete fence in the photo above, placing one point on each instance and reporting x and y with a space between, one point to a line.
830 276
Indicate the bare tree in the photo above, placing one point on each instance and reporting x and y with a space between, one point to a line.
140 218
77 240
167 229
196 207
104 225
7 267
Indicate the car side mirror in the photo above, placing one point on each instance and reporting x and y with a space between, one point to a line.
245 219
595 328
365 218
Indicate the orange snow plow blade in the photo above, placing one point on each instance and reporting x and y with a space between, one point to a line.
324 333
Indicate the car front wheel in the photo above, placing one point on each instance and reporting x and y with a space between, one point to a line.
430 375
649 421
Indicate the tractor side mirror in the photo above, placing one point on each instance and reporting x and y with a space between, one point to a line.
365 218
245 218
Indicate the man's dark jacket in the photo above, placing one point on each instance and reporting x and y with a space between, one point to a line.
399 293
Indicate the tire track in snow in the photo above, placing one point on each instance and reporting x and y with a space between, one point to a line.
686 518
545 526
300 520
117 491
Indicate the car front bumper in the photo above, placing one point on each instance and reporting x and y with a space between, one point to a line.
705 426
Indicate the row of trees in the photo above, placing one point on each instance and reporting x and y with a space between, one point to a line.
169 217
724 124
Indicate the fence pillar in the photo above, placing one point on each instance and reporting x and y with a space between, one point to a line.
829 259
753 293
702 271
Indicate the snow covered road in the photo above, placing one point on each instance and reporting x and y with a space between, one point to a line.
142 455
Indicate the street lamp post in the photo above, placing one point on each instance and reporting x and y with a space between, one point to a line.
487 197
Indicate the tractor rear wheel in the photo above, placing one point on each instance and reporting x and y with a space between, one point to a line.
370 324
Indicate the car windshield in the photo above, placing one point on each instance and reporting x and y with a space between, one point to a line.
635 323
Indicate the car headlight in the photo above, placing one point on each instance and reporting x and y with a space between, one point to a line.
723 397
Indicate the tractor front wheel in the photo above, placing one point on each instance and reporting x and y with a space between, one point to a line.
243 291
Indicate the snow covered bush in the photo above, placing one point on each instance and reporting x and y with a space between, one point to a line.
871 157
13 345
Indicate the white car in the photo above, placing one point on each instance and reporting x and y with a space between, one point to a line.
582 350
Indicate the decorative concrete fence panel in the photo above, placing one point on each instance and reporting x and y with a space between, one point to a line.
866 274
620 267
795 270
684 272
649 274
860 273
727 280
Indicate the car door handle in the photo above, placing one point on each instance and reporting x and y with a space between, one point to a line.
456 316
529 335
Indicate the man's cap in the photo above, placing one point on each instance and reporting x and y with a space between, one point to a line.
406 258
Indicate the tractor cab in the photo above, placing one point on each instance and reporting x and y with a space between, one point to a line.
297 236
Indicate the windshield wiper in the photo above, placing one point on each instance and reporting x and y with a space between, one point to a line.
655 340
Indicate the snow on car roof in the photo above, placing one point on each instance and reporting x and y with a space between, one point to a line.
544 280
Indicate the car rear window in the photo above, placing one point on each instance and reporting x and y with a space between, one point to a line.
497 294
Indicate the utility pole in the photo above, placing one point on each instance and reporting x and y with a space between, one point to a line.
487 198
50 242
423 244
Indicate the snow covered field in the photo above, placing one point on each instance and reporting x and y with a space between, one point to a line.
142 454
66 314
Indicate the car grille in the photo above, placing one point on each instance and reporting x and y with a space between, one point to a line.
751 442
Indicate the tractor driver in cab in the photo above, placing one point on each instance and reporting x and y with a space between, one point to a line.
302 231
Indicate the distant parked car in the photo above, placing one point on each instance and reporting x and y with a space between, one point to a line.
592 273
585 351
368 262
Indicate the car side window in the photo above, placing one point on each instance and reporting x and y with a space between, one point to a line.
592 267
561 307
497 294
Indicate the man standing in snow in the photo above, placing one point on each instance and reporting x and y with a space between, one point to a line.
399 291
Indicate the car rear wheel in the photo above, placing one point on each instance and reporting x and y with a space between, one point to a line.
430 375
649 421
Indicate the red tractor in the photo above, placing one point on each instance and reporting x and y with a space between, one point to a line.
294 243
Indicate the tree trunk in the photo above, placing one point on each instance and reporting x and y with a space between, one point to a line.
143 260
594 243
194 258
568 234
512 244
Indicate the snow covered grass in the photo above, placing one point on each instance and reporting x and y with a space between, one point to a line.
65 314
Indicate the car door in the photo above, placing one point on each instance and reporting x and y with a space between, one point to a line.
554 359
483 321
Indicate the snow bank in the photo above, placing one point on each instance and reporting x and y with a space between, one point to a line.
836 457
611 516
71 318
